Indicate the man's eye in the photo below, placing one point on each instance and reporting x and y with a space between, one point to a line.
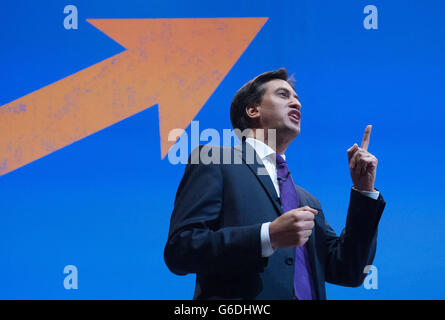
283 94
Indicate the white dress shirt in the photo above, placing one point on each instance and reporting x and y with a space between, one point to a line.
267 156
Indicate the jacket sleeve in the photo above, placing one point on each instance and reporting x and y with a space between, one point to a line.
196 241
348 254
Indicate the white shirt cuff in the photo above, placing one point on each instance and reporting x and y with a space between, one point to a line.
266 247
372 194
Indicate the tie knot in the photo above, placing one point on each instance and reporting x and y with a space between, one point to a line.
280 160
282 169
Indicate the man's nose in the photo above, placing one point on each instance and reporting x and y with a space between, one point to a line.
295 103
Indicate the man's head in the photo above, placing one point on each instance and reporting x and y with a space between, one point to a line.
268 101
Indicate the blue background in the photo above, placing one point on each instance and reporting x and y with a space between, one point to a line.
103 203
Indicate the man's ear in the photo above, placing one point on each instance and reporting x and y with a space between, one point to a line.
253 111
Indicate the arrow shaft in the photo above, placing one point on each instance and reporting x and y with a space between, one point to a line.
71 109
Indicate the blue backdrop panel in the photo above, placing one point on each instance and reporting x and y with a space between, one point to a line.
103 203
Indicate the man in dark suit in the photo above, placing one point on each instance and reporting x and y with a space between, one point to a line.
244 227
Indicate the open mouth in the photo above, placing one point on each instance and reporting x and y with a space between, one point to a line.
293 115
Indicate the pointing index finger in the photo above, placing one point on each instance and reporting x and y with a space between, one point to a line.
365 141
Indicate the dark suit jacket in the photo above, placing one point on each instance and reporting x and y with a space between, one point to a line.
215 232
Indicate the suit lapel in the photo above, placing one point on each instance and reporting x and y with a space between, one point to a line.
253 161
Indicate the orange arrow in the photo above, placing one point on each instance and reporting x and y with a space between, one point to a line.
176 63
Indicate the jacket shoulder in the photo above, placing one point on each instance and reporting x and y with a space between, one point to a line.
214 155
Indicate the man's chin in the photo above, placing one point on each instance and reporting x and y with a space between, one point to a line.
296 130
292 132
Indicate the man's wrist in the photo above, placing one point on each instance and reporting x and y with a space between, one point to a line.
371 194
362 188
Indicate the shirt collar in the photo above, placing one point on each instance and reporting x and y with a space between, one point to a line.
263 150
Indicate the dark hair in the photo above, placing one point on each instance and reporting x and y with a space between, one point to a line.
252 93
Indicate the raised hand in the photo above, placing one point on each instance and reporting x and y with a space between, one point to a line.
362 164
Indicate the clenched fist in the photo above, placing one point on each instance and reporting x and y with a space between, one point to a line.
292 228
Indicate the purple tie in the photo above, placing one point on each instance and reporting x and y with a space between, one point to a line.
303 286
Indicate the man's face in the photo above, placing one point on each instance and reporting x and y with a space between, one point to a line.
280 109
